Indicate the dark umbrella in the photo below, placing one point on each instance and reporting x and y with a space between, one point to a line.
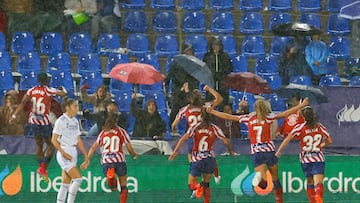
295 29
351 11
196 68
249 82
315 95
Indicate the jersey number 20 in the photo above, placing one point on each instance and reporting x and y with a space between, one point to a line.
111 144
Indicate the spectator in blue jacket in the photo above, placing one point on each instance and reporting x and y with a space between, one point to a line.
316 53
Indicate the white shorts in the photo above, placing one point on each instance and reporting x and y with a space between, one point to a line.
65 164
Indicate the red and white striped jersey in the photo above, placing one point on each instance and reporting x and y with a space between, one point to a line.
310 140
41 102
259 132
191 113
290 122
111 143
204 138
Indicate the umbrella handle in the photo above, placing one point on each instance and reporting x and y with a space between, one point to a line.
243 97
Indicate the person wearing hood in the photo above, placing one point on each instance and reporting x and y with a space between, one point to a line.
219 63
10 102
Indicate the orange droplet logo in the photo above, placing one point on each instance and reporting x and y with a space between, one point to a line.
269 187
12 184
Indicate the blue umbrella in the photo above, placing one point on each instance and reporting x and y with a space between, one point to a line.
351 11
315 95
196 68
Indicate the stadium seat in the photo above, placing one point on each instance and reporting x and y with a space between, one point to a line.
134 4
250 5
138 44
145 89
166 45
330 80
91 78
28 61
280 5
2 94
5 61
163 4
199 43
238 96
51 43
222 22
2 41
354 81
194 21
108 43
88 62
22 42
279 18
253 46
158 97
63 78
251 23
169 60
309 5
277 103
301 80
114 59
6 80
339 47
266 64
117 85
334 6
135 21
130 121
164 21
331 66
192 4
221 4
337 25
150 59
239 64
273 79
60 61
229 43
311 19
277 43
123 100
28 79
165 117
352 67
80 43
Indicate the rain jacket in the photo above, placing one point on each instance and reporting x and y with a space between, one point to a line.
317 51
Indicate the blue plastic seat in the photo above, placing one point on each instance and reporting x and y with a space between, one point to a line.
266 64
146 89
117 85
221 4
251 5
194 21
239 64
330 80
238 96
63 78
2 95
135 21
166 45
123 100
311 19
251 23
334 6
114 59
277 43
273 79
280 5
28 61
169 60
279 18
91 78
339 47
5 60
352 66
108 43
337 25
331 66
163 4
138 44
192 4
229 43
2 41
164 21
309 5
158 97
277 103
58 62
301 80
88 62
253 46
222 22
150 59
28 79
199 43
165 117
134 4
51 43
6 80
354 81
22 42
80 43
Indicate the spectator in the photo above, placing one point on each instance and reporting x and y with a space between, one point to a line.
148 122
101 116
96 99
107 18
231 129
6 111
178 77
219 63
292 61
243 108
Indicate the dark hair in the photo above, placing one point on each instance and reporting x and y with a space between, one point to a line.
151 101
66 102
196 98
296 96
111 121
310 117
206 119
42 78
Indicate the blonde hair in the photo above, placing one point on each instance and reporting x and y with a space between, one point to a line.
262 108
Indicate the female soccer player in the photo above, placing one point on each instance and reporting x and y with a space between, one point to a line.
262 146
66 136
312 136
204 134
111 140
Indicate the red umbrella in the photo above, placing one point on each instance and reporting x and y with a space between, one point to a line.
136 73
249 82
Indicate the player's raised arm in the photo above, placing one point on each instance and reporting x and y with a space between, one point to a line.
218 98
294 109
222 115
178 146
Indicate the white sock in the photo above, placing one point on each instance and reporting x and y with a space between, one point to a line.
61 196
74 187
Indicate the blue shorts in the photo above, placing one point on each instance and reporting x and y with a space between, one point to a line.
190 145
38 130
310 169
267 158
120 168
203 166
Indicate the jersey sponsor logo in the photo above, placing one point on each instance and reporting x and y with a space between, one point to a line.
348 114
11 181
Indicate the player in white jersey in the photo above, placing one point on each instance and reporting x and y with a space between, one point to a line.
66 137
